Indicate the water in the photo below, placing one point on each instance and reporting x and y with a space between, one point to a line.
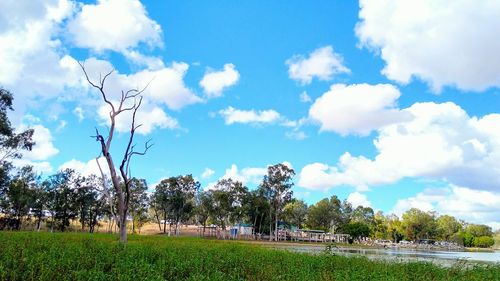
440 257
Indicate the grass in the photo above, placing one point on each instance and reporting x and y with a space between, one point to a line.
72 256
497 242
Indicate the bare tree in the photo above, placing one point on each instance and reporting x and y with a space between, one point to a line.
130 101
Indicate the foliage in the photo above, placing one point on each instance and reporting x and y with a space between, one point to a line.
357 230
325 214
295 213
11 143
174 199
418 224
277 185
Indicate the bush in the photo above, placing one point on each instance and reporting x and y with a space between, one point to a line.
483 241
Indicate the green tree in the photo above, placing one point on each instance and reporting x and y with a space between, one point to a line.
277 184
18 198
447 227
418 224
61 199
204 207
325 214
139 200
295 213
11 143
228 198
357 230
174 198
259 210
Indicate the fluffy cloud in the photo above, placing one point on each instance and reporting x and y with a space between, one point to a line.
358 199
164 86
207 173
249 175
232 115
44 147
323 63
441 42
114 25
149 117
86 168
440 141
464 203
33 61
356 109
304 97
214 82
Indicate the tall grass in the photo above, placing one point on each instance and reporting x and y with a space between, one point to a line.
65 256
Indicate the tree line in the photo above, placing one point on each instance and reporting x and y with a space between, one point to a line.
26 202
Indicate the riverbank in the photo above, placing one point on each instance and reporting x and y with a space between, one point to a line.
73 256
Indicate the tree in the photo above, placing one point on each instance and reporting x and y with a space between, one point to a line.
418 224
61 199
364 215
18 197
130 101
228 202
181 201
11 143
174 199
204 208
357 230
295 213
258 210
447 227
325 214
138 202
277 184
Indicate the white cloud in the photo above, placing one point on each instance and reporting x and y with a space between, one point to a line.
441 42
148 116
249 175
42 167
44 147
464 203
165 86
33 61
323 63
214 82
304 97
207 173
114 25
358 199
78 111
440 142
356 109
232 115
86 168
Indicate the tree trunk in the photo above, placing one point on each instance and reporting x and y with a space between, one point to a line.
276 226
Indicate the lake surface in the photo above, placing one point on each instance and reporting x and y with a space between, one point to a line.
441 257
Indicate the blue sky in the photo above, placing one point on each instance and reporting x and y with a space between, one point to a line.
392 105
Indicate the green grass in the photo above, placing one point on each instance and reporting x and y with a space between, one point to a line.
497 242
70 256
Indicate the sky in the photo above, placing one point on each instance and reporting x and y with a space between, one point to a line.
389 104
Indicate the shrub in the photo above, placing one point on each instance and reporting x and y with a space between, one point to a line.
483 241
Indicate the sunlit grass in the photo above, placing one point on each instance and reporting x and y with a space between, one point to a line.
72 256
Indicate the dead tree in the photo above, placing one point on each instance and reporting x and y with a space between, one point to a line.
130 101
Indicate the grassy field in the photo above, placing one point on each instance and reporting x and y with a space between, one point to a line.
497 242
71 256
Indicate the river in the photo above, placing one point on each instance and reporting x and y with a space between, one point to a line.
440 257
